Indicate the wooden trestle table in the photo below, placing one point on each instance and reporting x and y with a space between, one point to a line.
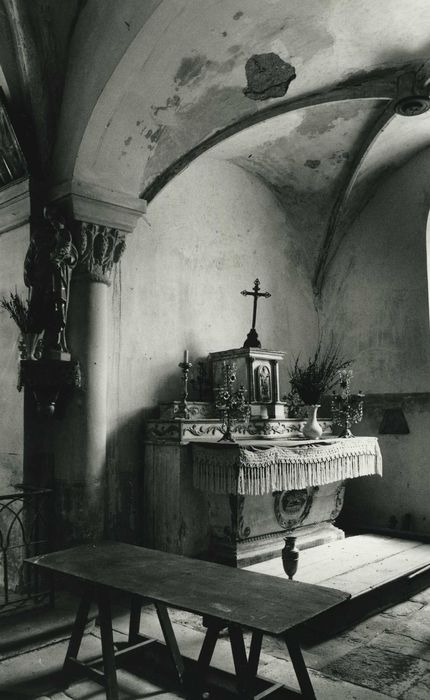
225 597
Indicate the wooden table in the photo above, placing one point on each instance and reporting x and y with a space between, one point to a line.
226 597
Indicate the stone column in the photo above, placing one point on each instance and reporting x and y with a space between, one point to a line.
77 434
100 248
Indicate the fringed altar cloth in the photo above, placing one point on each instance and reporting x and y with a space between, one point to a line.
253 470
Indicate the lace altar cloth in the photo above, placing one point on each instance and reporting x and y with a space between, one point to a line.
253 470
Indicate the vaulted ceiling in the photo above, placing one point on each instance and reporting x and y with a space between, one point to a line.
143 88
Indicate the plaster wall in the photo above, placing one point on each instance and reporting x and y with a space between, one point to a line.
13 246
213 230
376 302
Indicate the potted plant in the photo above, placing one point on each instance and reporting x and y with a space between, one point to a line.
314 378
18 310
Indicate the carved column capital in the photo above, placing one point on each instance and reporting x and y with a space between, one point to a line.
99 248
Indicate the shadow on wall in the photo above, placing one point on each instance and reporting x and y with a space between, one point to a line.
397 503
124 478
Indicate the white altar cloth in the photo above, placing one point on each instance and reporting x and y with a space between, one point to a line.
254 469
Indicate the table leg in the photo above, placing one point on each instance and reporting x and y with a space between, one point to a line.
213 630
135 609
242 669
300 668
170 639
77 632
254 654
105 618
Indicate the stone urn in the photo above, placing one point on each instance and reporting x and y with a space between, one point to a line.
312 429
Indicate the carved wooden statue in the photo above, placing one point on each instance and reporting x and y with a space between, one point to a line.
50 258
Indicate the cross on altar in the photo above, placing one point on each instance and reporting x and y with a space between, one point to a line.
252 337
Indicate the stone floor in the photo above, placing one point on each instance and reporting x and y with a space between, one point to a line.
385 656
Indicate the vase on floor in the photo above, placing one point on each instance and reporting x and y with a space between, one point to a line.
312 429
290 556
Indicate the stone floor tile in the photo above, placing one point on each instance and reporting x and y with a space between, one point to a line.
35 674
419 691
416 627
404 644
422 597
325 688
367 629
130 687
320 655
406 609
378 669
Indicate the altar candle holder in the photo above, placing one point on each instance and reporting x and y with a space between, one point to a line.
183 411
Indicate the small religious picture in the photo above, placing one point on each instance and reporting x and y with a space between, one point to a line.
264 384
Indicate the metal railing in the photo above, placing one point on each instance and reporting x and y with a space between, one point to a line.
24 532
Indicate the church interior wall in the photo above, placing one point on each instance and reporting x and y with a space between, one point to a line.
376 301
211 232
13 246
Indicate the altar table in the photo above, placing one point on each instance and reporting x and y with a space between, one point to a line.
228 598
254 469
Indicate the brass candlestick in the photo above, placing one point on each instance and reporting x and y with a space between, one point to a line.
183 411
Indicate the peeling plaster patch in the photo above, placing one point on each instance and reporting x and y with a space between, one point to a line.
219 107
194 70
153 137
172 102
190 68
314 37
238 15
340 156
326 117
312 164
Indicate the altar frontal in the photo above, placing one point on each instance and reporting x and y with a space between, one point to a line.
252 470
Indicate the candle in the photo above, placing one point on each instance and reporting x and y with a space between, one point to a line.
185 356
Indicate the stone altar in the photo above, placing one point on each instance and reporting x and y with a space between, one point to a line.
184 513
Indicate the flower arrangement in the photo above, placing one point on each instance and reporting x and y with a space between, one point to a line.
30 344
319 375
232 404
346 408
18 310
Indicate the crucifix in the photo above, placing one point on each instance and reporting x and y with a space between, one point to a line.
252 337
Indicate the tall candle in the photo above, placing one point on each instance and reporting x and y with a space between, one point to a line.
185 356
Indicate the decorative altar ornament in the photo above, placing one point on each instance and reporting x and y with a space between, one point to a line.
312 429
346 408
232 404
290 556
